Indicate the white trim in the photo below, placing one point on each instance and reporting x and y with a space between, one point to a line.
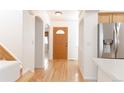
25 71
73 59
90 78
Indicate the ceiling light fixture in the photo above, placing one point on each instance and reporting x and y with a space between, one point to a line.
58 13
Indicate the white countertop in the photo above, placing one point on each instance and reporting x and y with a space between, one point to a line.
113 67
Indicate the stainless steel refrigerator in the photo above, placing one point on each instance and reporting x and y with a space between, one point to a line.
111 40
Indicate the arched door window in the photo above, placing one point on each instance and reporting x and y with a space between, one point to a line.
60 32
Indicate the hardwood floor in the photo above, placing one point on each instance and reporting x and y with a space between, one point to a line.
55 71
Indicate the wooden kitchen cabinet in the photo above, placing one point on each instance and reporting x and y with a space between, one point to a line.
111 17
104 18
118 17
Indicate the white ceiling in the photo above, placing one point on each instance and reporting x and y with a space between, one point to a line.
66 15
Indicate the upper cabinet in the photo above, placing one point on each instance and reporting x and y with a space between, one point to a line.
111 17
118 17
105 18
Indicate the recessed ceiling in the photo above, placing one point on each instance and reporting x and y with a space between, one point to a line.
65 16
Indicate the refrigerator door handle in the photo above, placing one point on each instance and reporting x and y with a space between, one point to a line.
117 28
115 41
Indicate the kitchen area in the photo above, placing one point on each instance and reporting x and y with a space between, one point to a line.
110 47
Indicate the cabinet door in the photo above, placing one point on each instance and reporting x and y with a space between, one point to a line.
119 17
105 18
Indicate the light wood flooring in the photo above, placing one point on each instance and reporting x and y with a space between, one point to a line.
54 71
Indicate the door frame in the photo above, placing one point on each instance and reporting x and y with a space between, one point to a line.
53 39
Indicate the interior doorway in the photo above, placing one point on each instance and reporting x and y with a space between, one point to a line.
46 45
60 43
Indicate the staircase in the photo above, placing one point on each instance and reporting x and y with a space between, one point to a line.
5 55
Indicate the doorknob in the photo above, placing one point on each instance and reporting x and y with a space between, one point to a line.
66 44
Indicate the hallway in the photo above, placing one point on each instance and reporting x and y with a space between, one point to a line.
55 71
45 35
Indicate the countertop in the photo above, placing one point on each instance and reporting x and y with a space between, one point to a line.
113 67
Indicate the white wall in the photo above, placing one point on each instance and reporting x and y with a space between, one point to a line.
41 22
39 42
28 41
11 31
88 45
17 33
72 38
81 46
33 48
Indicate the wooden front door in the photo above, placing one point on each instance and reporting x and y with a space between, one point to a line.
60 42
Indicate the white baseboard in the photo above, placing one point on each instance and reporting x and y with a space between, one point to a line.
25 71
90 78
72 59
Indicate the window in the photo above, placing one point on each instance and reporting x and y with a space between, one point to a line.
60 32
